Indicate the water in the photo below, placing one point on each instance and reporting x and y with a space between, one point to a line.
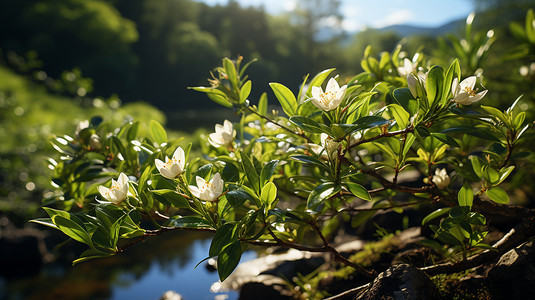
145 271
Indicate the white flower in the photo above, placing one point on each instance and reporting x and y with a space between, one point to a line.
416 84
464 93
223 135
207 191
172 167
118 190
441 178
407 67
331 98
328 146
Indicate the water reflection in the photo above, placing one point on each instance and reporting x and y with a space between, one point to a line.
145 271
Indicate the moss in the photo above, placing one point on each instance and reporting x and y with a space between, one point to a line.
461 286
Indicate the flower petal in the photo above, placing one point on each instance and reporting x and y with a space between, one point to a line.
332 85
195 191
104 191
316 92
469 82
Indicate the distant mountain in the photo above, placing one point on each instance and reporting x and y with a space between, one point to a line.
406 30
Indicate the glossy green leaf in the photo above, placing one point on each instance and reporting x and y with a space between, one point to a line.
251 173
466 196
268 194
321 193
437 213
434 84
230 70
225 235
401 116
187 222
498 195
158 132
286 98
311 160
230 173
228 260
238 197
358 190
476 165
307 124
446 139
267 171
245 91
171 198
504 173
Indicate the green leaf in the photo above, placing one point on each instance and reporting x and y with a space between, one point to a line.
491 175
230 173
158 132
437 213
132 131
225 235
404 98
401 116
70 225
504 173
286 98
498 195
228 260
238 197
434 84
476 219
268 194
251 173
187 222
466 196
245 91
307 124
445 139
311 160
73 229
230 70
454 71
359 191
267 171
321 193
215 95
476 165
91 254
171 198
263 104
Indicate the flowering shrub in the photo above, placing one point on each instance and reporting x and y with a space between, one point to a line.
290 178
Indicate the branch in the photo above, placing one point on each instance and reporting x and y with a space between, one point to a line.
382 135
512 239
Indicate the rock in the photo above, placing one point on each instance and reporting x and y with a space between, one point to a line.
266 287
513 277
400 282
265 274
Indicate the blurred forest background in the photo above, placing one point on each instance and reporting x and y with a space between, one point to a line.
64 61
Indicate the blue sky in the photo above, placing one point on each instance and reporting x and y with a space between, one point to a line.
359 14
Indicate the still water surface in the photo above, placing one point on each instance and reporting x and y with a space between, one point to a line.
145 271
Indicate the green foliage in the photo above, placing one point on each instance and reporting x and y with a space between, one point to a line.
348 146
